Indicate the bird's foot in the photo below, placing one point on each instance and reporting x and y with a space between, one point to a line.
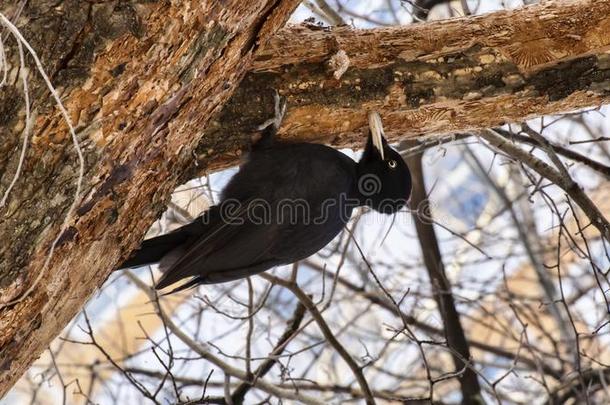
280 110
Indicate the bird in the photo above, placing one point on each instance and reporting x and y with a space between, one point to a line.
285 203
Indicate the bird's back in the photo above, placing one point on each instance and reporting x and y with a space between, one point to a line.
299 170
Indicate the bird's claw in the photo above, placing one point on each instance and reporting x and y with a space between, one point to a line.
279 109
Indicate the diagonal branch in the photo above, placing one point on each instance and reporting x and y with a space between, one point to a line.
328 333
572 189
601 168
292 327
203 351
441 287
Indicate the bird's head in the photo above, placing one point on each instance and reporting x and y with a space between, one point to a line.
384 180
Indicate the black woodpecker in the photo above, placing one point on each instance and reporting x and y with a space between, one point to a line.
286 202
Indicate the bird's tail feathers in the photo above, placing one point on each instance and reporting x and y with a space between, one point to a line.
154 250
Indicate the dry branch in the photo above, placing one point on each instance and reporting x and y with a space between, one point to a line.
441 287
204 352
328 334
563 181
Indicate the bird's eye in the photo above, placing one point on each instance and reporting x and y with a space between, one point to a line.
392 164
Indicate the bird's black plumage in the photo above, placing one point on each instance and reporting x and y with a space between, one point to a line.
286 202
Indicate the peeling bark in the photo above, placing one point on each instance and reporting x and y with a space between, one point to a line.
438 77
140 80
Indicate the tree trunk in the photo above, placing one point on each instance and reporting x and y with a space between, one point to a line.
140 81
429 78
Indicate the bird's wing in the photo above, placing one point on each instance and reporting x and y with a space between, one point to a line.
221 276
226 247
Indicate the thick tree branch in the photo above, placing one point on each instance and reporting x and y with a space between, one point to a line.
429 78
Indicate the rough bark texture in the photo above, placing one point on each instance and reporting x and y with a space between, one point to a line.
140 80
438 77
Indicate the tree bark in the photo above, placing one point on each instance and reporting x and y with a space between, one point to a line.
429 78
140 80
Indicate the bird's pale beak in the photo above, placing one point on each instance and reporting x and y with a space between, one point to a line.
377 134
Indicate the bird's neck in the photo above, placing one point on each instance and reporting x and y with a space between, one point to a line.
366 187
